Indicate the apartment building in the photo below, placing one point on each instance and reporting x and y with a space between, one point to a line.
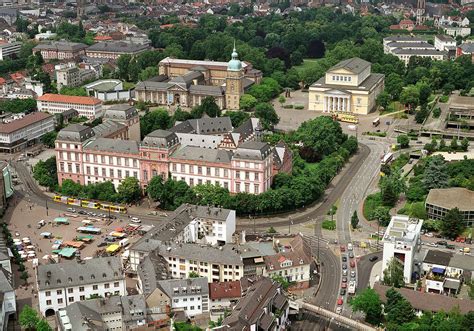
187 224
60 50
114 49
404 47
73 76
62 284
7 294
25 131
190 295
118 313
7 50
444 43
440 201
264 307
402 240
56 104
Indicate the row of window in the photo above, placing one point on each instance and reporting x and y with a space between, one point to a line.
71 299
111 172
341 78
111 160
81 289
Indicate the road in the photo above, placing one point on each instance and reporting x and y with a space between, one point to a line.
365 267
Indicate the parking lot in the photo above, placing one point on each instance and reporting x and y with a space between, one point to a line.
23 218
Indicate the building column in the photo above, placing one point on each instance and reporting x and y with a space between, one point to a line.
338 104
349 104
324 104
344 104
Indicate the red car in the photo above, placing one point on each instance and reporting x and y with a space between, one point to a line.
340 301
343 248
344 285
353 264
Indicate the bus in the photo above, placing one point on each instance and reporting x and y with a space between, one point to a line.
88 229
90 204
346 118
387 158
376 122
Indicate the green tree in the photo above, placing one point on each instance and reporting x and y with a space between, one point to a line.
247 102
397 309
45 173
77 91
267 115
154 120
123 64
170 193
281 99
465 144
454 144
391 187
43 325
49 138
354 220
435 175
368 302
383 100
394 85
237 117
129 189
28 318
208 106
382 215
410 96
147 73
393 274
271 230
403 140
453 224
193 274
71 188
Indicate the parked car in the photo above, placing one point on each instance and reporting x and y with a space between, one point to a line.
353 273
72 210
339 310
449 246
344 258
429 235
343 248
373 258
135 220
343 291
344 272
344 266
433 244
442 243
344 285
82 212
353 264
102 244
351 255
340 301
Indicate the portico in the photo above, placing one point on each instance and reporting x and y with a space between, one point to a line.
337 101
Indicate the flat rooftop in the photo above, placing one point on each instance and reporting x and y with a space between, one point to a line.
403 228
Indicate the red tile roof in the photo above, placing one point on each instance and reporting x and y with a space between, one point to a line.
69 99
102 38
2 81
222 290
25 121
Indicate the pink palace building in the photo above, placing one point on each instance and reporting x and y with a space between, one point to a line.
197 151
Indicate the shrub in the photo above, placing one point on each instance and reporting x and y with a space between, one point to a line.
329 225
299 107
444 98
437 112
288 106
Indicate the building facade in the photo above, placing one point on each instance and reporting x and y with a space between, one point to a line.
440 201
56 104
62 284
405 47
7 293
60 50
26 131
8 50
112 50
187 82
348 87
73 76
401 241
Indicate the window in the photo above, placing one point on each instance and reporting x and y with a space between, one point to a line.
199 170
247 187
237 187
104 174
255 189
60 301
116 284
237 174
256 176
191 182
95 287
48 302
119 173
145 175
82 297
102 159
107 285
71 299
70 290
127 173
359 100
208 171
247 175
48 293
81 289
226 173
59 292
174 167
226 185
183 168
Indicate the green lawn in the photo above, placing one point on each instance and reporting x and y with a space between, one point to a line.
371 203
307 64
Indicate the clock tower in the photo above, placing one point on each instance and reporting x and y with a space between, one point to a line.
234 87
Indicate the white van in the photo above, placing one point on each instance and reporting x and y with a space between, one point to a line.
349 246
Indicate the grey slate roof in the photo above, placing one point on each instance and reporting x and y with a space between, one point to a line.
467 47
120 112
113 145
366 85
151 270
175 288
252 150
355 65
205 125
412 51
107 128
403 38
72 273
202 154
419 45
438 257
206 90
464 262
444 37
152 86
117 47
160 139
61 46
76 132
225 254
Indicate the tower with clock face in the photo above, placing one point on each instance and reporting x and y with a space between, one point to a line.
234 87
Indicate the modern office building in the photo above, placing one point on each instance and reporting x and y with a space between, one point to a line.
347 87
24 131
440 201
8 50
401 241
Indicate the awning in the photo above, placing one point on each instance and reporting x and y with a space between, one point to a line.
112 248
452 284
438 270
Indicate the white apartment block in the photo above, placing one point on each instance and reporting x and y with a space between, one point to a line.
402 240
62 284
9 49
404 47
8 304
57 104
444 43
73 76
188 295
23 132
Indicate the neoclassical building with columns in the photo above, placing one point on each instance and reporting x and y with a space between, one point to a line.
348 87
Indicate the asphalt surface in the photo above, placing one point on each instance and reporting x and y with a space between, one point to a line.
365 267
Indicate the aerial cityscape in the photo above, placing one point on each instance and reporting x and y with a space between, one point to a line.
237 165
